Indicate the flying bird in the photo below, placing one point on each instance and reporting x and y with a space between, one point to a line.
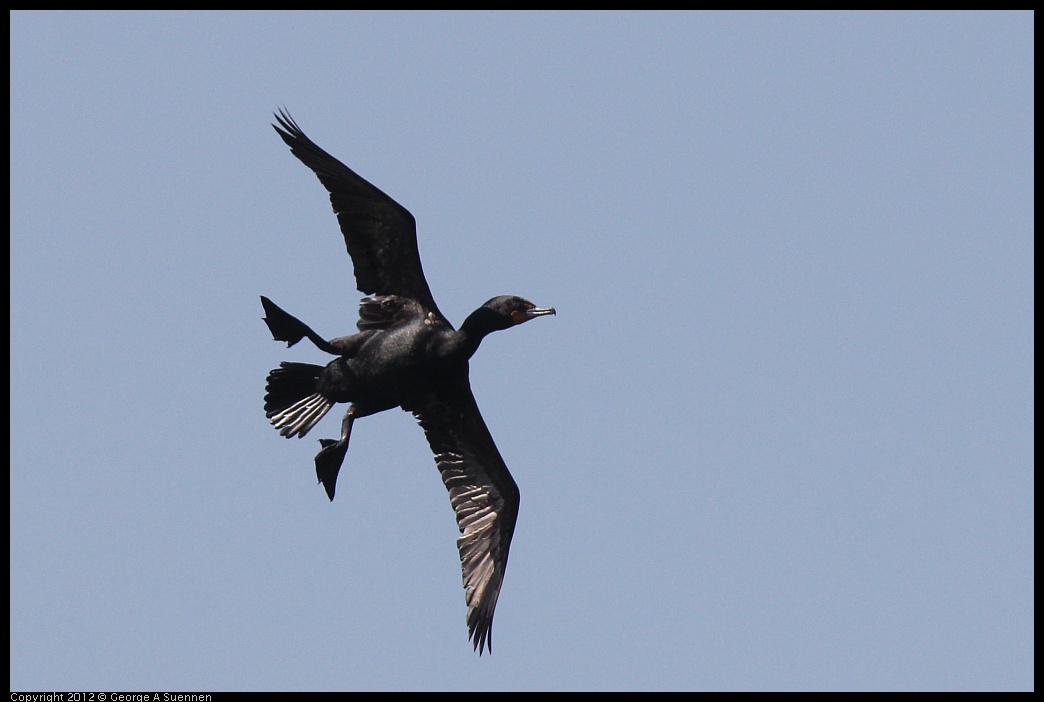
406 354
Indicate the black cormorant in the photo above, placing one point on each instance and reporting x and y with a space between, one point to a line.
406 354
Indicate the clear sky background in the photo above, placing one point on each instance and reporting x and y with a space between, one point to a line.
779 436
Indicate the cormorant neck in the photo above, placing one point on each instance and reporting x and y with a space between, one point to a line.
478 324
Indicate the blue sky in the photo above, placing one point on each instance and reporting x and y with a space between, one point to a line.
779 436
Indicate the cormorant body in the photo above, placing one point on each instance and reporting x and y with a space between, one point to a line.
406 354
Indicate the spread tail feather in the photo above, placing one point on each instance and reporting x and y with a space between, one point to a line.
292 403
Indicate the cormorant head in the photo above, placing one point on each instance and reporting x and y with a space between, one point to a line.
502 312
510 310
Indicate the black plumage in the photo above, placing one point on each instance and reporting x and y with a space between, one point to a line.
406 354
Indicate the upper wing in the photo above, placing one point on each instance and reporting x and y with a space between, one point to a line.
483 495
380 234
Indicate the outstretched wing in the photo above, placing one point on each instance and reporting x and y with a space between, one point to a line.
483 495
380 234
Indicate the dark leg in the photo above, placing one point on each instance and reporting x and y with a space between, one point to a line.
328 461
286 327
